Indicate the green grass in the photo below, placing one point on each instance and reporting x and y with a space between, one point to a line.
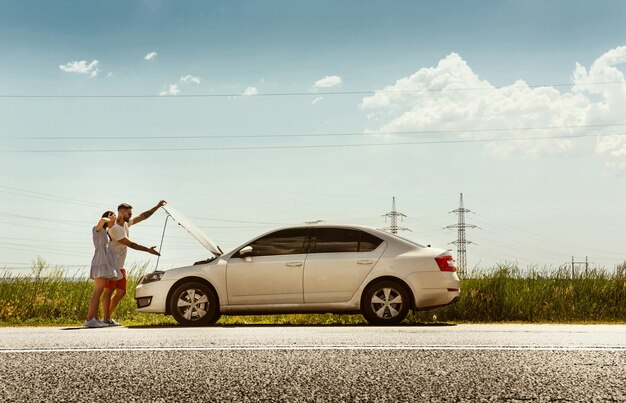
46 297
505 294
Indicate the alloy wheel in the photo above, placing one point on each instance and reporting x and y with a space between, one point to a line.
386 303
193 304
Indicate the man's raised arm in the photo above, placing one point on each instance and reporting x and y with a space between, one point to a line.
148 213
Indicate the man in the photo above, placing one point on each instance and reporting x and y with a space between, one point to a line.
120 242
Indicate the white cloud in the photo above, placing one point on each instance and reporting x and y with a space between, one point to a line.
612 149
328 82
81 67
250 91
316 100
450 96
190 79
150 56
172 89
109 74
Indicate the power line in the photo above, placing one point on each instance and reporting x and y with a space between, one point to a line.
310 93
83 223
43 228
541 239
212 136
25 266
573 136
518 246
188 179
29 193
239 221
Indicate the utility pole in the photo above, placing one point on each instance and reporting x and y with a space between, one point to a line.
585 263
461 243
393 215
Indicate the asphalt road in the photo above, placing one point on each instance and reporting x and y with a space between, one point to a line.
346 363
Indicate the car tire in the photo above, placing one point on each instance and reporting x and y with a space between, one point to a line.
385 302
194 304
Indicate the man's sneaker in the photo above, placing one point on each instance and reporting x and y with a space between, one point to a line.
110 322
94 323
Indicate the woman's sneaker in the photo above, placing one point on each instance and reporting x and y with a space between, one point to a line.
110 322
94 323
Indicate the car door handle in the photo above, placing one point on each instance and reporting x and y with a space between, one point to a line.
293 264
365 261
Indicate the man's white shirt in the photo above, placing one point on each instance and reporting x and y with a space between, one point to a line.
118 232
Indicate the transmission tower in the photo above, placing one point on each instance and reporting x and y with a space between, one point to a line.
393 215
461 242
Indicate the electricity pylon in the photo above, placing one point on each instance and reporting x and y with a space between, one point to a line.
393 215
461 243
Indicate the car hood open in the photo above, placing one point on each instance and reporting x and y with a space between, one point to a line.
193 230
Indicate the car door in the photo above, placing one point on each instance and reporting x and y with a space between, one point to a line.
339 259
272 273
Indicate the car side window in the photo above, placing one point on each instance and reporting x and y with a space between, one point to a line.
368 242
332 240
284 242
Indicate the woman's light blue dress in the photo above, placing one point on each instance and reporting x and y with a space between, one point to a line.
103 262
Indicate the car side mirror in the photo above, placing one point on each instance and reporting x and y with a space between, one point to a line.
246 253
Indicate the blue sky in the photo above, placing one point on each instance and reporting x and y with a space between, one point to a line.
482 82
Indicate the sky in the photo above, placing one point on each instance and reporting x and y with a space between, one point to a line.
247 116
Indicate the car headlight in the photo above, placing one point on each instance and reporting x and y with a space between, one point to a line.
151 277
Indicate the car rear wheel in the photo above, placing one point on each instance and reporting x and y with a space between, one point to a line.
194 304
386 302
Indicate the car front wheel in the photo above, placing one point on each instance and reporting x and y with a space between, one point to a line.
194 304
386 302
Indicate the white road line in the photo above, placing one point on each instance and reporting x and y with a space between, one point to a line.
314 347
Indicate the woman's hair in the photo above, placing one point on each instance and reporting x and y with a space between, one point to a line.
106 214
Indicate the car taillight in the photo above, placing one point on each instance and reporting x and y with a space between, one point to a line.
445 263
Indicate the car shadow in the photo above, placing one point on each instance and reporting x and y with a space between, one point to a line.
270 325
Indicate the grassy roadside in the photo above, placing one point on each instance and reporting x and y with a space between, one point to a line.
46 297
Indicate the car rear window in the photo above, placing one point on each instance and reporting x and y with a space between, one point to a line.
333 240
368 242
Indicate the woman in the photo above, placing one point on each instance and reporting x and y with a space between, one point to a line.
103 267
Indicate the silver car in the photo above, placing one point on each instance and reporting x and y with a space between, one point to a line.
304 269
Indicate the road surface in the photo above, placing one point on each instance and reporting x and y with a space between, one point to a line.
315 363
